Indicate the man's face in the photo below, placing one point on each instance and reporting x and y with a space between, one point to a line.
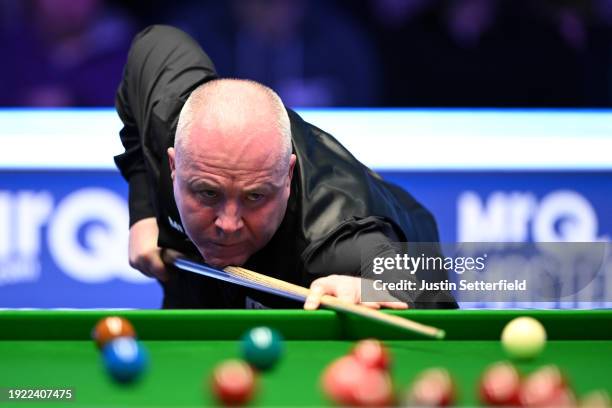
231 195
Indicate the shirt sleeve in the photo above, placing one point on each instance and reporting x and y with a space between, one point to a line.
164 65
131 162
351 250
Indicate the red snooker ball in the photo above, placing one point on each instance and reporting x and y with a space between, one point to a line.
346 381
341 377
233 382
372 354
110 328
500 385
374 390
432 388
546 387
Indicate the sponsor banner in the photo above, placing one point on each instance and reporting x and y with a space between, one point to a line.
63 233
520 207
514 206
63 242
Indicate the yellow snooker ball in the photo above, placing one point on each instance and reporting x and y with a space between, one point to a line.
523 338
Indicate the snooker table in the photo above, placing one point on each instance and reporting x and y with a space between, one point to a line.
53 349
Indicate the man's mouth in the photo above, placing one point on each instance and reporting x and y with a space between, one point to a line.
225 244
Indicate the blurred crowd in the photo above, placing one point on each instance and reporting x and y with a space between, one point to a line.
425 53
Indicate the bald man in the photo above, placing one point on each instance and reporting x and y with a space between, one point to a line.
220 170
231 169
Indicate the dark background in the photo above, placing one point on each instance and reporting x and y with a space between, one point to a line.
375 53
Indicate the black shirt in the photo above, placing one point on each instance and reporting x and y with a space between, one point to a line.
338 209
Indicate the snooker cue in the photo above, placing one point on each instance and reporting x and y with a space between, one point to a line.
246 277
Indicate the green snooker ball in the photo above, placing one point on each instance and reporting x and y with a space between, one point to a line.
262 347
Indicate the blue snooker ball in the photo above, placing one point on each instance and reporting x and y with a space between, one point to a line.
125 359
262 347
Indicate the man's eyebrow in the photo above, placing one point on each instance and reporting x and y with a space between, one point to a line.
260 186
201 184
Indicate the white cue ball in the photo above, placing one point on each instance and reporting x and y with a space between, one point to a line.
523 338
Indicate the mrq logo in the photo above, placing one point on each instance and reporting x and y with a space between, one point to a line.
560 216
85 233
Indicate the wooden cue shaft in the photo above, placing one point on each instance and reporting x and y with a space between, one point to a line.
337 304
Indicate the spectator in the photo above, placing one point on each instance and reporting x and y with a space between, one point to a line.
65 53
308 51
500 53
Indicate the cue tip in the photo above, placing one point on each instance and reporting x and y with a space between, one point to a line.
440 335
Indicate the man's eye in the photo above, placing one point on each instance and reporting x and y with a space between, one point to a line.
254 196
208 194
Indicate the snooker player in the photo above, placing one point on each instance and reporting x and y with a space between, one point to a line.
220 170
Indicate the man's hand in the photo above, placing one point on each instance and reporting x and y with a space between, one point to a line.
346 288
144 254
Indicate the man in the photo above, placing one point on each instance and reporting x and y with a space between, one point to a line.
221 171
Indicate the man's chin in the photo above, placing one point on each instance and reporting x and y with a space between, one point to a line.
222 256
222 262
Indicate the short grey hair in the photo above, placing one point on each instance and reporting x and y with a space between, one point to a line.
203 94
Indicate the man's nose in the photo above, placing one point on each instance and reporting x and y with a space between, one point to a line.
229 218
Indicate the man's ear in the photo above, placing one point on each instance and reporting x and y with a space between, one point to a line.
171 161
292 161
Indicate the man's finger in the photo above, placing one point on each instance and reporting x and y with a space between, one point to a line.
394 305
371 305
318 288
348 292
313 301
